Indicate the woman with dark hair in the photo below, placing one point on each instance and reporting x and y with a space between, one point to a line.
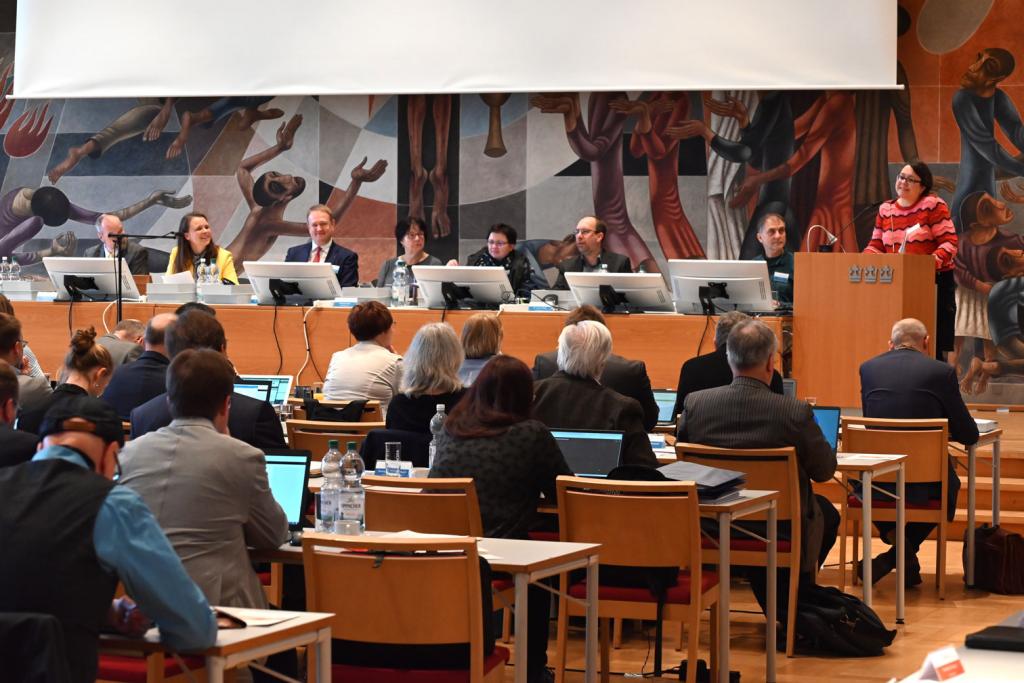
501 251
369 370
412 235
195 243
918 222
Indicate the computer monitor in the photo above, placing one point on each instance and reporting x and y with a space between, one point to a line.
91 279
292 283
666 400
827 418
259 390
464 286
288 476
615 292
280 386
589 453
724 285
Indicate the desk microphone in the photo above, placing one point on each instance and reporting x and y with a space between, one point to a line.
832 239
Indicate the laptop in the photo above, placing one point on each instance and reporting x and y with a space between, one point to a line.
288 474
827 418
589 453
280 386
259 390
666 400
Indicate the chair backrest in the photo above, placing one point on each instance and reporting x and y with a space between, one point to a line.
380 593
924 441
430 506
312 435
372 412
608 511
415 446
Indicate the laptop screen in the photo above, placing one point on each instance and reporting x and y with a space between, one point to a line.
288 474
666 400
590 454
827 418
280 386
253 389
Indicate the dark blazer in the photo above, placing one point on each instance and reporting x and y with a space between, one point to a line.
16 446
617 263
568 402
135 257
628 377
337 255
250 420
413 414
135 383
31 420
746 414
707 371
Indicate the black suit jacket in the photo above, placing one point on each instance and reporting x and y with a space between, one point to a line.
135 383
135 257
617 263
250 420
628 377
708 371
16 446
568 402
337 255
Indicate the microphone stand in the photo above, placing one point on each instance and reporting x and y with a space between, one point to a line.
119 263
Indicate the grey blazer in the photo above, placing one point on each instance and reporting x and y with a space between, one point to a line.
210 494
121 351
747 414
33 392
136 258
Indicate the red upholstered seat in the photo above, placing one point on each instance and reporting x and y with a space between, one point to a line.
343 673
543 536
498 585
746 544
678 594
133 669
932 504
264 578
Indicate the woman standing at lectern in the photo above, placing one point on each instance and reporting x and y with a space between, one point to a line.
918 222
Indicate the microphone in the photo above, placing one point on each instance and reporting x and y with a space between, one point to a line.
832 239
916 227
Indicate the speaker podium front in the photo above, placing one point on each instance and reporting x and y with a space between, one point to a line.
844 306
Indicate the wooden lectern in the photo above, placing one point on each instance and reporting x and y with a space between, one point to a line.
844 306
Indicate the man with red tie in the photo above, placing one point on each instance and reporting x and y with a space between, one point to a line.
322 249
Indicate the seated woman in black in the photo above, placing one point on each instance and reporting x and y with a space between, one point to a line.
430 377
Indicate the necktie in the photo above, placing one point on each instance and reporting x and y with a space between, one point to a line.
316 255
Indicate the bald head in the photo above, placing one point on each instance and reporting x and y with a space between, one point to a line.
155 332
107 225
909 333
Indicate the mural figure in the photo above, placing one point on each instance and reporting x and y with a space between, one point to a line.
416 111
249 114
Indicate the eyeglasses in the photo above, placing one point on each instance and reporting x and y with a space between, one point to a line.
907 179
494 243
584 233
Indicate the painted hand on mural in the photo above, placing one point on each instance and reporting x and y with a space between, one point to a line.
690 129
64 244
638 108
731 108
159 122
566 104
361 174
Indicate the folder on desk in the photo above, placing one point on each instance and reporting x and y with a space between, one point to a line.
985 425
712 482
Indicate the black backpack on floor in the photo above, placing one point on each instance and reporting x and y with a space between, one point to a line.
829 620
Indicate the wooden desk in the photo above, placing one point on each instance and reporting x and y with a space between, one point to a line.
992 438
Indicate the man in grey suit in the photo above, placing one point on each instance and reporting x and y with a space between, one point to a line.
208 491
136 258
33 392
747 414
124 342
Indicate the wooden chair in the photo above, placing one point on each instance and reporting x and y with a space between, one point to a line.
371 413
607 512
767 469
429 597
926 442
313 435
153 667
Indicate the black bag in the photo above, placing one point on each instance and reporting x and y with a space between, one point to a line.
829 620
352 412
998 560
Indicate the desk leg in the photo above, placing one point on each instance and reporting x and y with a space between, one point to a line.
724 538
771 617
900 541
214 670
972 452
591 647
522 584
867 494
995 482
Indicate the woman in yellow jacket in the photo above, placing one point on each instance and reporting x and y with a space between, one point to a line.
195 242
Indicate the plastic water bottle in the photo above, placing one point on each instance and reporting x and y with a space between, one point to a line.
604 267
213 273
201 272
327 513
436 427
400 285
15 270
352 501
5 269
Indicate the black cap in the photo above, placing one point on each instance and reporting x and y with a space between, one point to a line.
83 414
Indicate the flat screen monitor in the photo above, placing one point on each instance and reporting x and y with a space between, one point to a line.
312 281
589 453
639 291
280 386
96 278
827 418
259 390
288 476
468 286
745 285
666 400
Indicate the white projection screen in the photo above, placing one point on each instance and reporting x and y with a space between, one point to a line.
136 48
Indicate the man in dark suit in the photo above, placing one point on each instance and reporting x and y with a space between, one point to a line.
906 383
16 446
590 233
711 370
135 383
746 414
572 398
628 377
250 420
136 258
322 249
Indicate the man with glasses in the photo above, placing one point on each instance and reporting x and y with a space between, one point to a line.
590 234
33 392
501 251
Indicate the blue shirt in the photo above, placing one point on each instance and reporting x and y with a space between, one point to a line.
130 544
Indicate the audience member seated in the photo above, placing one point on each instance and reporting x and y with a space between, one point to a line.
195 306
501 251
124 342
628 377
590 234
16 446
70 535
370 369
323 249
430 376
87 370
33 392
746 414
135 383
412 235
30 365
907 383
711 370
195 243
481 341
573 398
251 420
135 257
512 459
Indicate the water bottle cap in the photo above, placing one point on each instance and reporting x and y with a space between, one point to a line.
440 407
332 444
351 445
